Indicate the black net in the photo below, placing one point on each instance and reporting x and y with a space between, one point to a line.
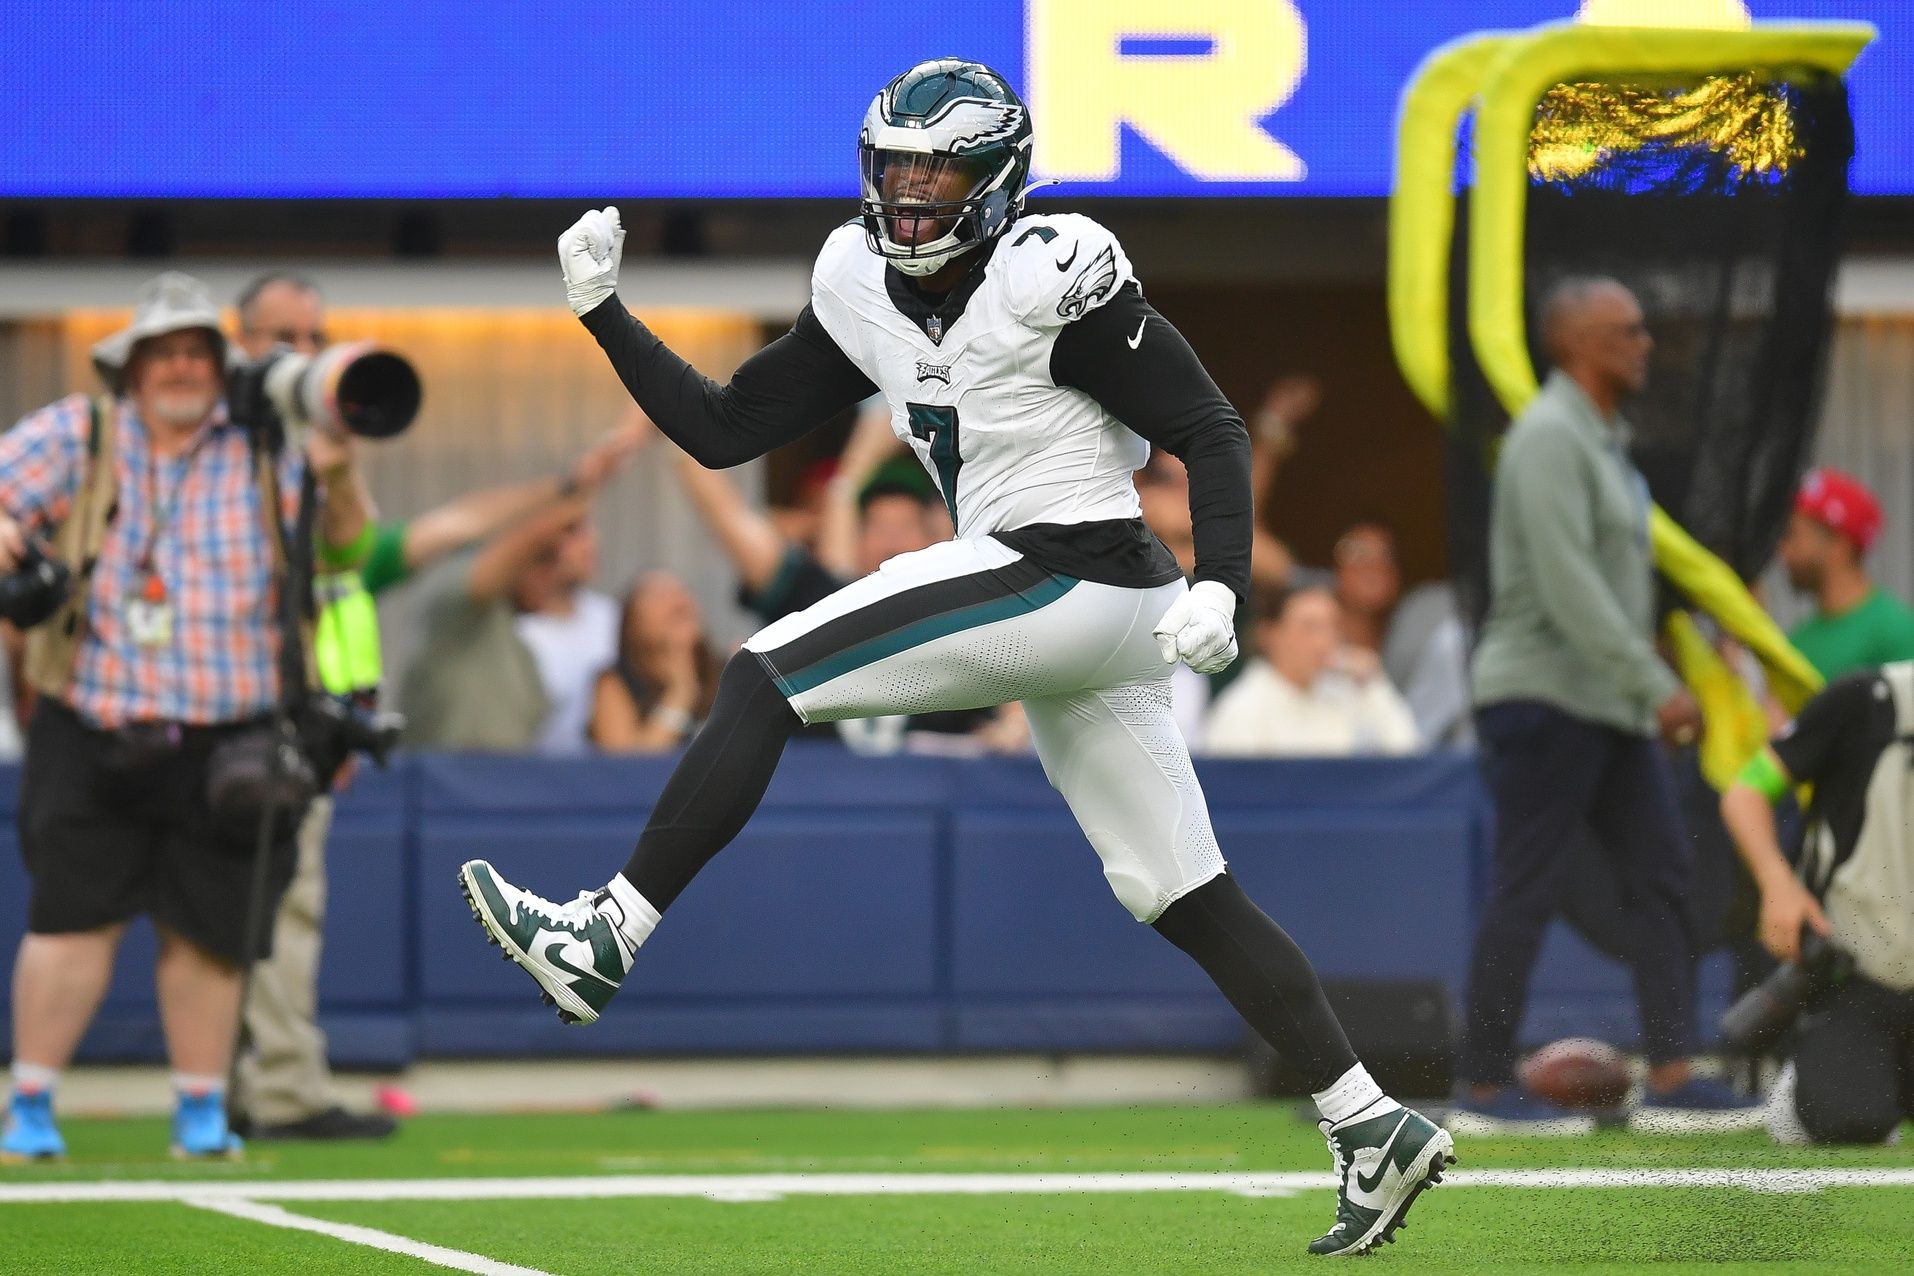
1718 202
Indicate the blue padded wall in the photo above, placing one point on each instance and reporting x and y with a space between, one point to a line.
874 904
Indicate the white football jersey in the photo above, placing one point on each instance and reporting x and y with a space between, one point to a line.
1007 446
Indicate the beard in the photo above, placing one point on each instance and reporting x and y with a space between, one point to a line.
1805 577
180 408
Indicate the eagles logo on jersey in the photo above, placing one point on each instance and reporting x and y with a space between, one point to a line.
969 382
1092 285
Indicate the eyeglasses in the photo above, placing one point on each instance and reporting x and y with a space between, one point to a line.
314 338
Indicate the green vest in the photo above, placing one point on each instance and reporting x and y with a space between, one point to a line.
347 639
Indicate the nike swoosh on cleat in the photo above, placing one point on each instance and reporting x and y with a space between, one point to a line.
1067 262
614 912
1364 1183
554 955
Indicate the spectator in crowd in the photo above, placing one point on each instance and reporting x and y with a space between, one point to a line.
1368 584
868 517
1426 655
1420 638
172 518
1852 1076
1569 694
1274 436
802 520
1306 694
570 629
1856 624
665 676
514 641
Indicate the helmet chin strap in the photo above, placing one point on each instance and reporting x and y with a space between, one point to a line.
917 267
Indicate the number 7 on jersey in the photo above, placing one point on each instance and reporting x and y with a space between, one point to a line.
937 426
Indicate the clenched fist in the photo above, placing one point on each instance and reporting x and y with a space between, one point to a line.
589 253
1200 628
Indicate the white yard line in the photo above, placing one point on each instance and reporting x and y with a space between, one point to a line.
760 1187
273 1216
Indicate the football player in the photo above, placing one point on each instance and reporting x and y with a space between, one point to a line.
1026 370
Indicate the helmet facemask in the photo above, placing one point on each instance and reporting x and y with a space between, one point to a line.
922 208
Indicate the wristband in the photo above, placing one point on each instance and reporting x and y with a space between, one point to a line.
1764 775
340 558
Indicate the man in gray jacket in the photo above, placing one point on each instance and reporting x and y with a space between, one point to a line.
1569 696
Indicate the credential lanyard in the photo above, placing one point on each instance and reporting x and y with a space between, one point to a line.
152 588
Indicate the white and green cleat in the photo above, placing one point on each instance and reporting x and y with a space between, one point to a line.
1385 1156
574 951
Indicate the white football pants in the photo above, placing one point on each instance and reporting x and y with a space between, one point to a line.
971 623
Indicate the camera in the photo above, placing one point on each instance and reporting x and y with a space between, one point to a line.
1765 1012
358 387
35 589
332 728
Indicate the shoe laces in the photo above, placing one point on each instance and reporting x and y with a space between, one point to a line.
573 915
1335 1150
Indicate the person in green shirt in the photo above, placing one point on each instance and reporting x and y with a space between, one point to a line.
1856 624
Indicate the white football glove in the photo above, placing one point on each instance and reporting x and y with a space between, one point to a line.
1200 628
589 253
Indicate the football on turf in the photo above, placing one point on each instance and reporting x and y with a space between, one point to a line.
1577 1072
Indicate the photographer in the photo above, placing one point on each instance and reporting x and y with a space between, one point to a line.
172 520
1853 1069
284 1081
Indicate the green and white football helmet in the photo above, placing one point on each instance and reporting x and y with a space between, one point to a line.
944 156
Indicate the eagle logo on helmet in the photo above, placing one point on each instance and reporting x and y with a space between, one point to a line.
992 122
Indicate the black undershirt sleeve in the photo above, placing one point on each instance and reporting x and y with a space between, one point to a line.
1157 386
779 394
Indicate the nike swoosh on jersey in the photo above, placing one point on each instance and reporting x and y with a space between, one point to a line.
555 956
1137 340
1364 1183
1067 262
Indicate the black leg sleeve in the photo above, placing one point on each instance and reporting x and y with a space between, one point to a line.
1264 975
717 784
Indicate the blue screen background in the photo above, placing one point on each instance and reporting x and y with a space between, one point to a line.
670 99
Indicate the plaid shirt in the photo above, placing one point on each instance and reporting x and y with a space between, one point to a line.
212 554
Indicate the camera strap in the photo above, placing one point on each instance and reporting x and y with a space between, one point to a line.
292 572
54 647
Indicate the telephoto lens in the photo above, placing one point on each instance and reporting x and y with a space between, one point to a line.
357 387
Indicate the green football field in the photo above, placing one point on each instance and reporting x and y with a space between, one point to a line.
1184 1191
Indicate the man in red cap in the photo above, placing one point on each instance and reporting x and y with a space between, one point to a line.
1856 624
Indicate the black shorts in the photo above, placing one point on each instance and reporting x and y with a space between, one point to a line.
107 836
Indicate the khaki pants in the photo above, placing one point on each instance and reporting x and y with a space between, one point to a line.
283 1077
